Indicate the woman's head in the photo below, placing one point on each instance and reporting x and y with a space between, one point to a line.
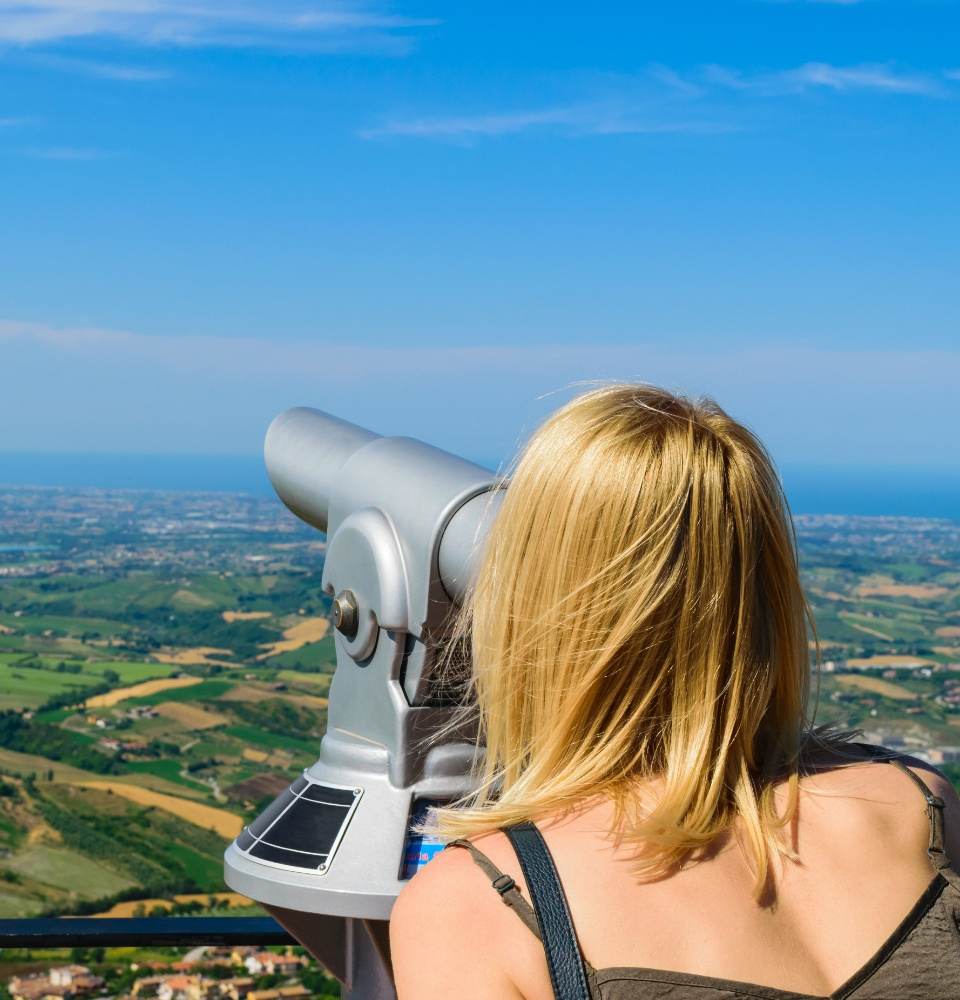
638 614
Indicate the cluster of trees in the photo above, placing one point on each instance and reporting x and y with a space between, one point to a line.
112 844
54 743
318 982
276 715
33 662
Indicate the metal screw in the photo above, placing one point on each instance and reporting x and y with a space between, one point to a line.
345 617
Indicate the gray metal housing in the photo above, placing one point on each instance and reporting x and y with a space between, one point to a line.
405 523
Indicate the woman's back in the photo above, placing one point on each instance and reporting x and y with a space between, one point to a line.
861 833
641 665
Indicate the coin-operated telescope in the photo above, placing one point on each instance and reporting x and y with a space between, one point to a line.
404 523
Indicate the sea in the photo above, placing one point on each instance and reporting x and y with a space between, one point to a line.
891 491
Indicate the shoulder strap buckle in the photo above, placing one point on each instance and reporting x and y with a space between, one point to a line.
504 883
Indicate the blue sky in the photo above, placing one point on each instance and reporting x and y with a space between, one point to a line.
432 217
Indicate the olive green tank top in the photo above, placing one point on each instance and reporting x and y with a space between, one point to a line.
919 961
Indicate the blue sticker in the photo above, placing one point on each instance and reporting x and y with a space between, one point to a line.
420 848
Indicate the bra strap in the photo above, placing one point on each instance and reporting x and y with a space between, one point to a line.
567 973
504 885
935 809
936 850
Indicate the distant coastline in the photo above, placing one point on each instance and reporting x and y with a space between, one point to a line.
180 473
873 491
893 491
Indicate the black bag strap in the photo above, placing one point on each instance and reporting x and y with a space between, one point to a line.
564 961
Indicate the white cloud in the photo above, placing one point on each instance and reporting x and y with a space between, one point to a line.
200 22
609 118
129 73
103 70
66 389
465 125
864 77
661 100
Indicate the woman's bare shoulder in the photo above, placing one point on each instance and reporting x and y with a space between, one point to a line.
444 889
442 883
450 934
882 795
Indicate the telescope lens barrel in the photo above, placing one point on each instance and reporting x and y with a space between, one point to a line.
304 450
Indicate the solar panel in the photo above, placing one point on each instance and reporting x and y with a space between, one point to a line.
302 828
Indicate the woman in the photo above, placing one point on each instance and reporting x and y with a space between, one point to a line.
641 665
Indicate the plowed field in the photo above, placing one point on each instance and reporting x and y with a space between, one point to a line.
191 716
298 636
140 691
226 824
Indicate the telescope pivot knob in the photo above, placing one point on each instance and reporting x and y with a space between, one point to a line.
345 618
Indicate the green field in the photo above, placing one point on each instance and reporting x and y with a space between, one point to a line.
69 871
61 625
316 684
313 656
131 673
57 716
168 769
204 691
205 871
13 907
25 686
22 687
262 738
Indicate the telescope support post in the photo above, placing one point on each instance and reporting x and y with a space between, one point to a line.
356 951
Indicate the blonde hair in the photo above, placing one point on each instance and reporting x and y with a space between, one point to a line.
638 616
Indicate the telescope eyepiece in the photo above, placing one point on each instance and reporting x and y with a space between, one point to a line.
345 618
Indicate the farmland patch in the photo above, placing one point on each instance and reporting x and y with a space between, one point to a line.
191 716
23 687
67 870
303 633
127 909
259 737
204 691
876 686
141 691
224 823
247 692
187 600
16 907
245 616
196 656
918 591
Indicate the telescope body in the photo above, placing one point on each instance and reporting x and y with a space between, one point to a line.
405 523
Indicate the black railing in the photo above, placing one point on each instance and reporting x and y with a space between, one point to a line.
89 932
